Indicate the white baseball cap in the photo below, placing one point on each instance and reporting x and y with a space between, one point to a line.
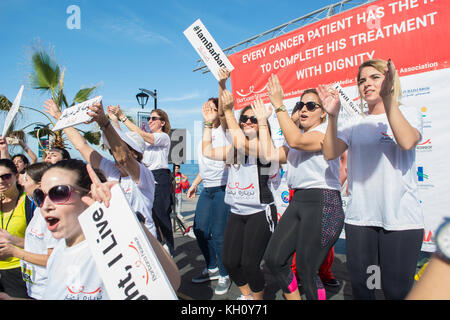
131 138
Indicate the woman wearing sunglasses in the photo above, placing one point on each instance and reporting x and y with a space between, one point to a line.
12 228
39 242
156 159
63 196
314 218
384 221
253 213
127 149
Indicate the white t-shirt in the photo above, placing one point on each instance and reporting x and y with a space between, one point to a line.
382 178
140 196
307 170
213 173
243 193
72 274
38 239
156 156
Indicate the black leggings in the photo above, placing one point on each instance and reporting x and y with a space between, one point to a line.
393 254
162 207
244 243
310 226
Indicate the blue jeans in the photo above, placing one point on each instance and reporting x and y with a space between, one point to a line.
211 215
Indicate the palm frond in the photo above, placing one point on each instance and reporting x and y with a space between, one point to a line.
93 137
43 131
83 95
5 104
46 72
60 90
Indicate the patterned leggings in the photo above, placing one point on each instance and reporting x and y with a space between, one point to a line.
310 226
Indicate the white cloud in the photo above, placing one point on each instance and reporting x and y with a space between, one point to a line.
187 96
133 28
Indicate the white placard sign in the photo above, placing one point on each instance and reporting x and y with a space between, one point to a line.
12 112
207 48
124 257
75 115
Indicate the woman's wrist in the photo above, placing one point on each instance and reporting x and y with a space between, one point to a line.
105 125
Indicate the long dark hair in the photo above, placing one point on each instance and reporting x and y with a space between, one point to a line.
8 163
78 166
36 170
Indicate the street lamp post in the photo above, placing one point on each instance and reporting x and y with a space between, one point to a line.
142 97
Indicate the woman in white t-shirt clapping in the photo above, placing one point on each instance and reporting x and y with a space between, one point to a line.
314 218
384 222
156 157
253 215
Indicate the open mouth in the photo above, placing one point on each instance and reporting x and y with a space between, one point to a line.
303 117
52 223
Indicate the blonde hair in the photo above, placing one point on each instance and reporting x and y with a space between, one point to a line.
380 65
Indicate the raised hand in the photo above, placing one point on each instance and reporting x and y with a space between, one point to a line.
260 111
100 191
227 100
275 91
97 113
52 109
330 99
114 112
224 74
209 113
387 87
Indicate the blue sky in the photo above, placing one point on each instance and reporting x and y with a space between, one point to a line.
127 45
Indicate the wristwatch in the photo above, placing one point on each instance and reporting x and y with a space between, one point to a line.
279 109
442 240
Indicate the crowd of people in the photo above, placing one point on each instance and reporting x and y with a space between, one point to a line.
44 253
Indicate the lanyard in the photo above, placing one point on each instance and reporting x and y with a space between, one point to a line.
11 215
7 223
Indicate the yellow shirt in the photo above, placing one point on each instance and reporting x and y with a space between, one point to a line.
15 222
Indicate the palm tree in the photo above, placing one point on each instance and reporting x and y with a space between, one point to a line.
48 77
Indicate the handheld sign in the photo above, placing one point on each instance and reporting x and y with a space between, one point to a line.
124 257
207 48
12 112
76 115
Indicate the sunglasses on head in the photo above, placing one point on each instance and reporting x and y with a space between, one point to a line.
57 194
245 118
154 118
311 105
6 176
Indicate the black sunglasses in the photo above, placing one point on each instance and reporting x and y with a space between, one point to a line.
154 118
245 118
57 194
310 105
6 176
